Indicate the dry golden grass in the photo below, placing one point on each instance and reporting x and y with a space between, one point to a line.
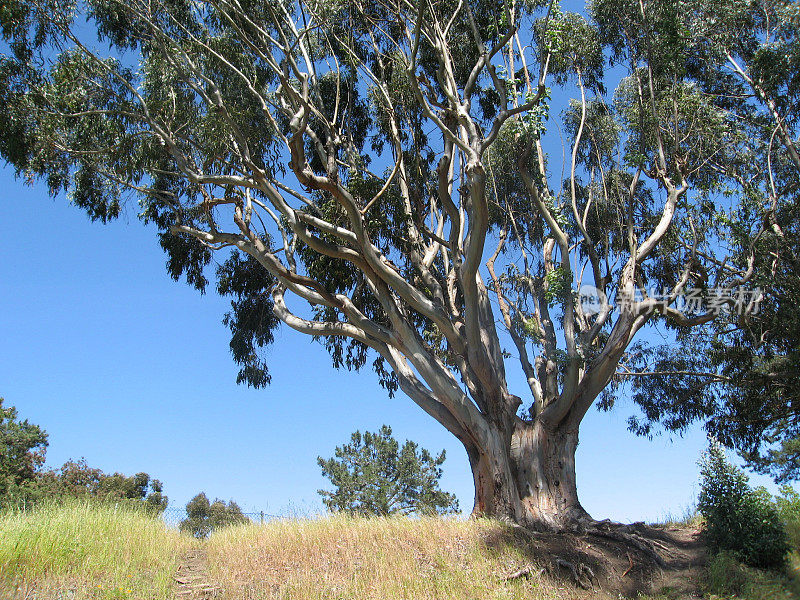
79 551
378 558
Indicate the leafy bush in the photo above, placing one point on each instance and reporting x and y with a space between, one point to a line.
77 480
738 519
789 508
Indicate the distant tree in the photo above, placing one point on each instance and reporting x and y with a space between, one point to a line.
374 476
76 479
204 517
22 451
138 487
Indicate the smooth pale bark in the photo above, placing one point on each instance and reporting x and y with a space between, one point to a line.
524 471
531 479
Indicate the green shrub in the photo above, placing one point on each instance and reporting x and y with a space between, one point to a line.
789 509
739 519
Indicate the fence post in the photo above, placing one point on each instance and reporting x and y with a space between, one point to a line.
262 517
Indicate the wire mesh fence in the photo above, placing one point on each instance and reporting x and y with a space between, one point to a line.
173 516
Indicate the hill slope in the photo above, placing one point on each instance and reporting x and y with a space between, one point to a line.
81 551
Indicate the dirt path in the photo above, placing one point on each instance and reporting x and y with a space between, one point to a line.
685 560
191 579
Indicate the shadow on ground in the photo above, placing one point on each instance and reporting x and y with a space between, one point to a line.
627 560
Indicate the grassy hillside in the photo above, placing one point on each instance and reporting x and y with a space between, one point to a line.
376 558
87 551
79 551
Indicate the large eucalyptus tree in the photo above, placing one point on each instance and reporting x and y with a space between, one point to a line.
375 173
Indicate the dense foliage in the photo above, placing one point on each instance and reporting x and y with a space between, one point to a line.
204 517
22 451
76 479
374 475
738 375
788 504
738 519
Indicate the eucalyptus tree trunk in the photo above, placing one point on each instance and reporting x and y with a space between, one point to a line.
524 469
529 478
545 467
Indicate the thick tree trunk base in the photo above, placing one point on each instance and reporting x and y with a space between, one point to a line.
545 463
530 479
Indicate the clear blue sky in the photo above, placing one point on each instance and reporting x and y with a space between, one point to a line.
131 370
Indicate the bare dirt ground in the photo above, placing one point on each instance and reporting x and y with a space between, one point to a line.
613 561
191 580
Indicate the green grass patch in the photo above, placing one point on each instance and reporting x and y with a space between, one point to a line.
85 550
729 579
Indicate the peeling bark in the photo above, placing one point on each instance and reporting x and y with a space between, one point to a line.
531 479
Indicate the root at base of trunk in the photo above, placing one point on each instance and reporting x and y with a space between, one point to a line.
627 534
592 555
582 574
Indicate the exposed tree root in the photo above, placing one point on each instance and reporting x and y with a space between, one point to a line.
582 574
628 570
592 555
626 534
525 573
644 545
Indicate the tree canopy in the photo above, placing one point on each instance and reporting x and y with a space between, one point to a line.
76 479
22 451
739 374
378 175
204 517
374 475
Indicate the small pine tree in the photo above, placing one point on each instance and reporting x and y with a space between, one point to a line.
204 517
738 518
373 475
